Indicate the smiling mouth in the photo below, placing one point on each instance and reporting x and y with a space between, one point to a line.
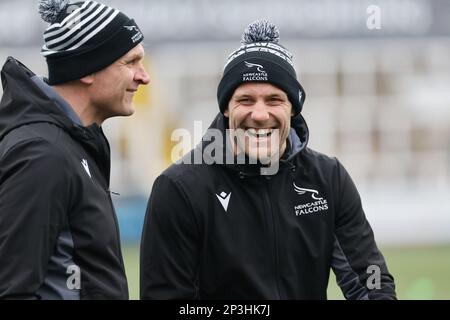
259 133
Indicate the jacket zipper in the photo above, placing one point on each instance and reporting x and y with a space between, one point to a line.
275 239
105 186
116 223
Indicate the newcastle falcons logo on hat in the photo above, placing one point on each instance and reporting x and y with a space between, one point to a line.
261 75
138 36
259 67
131 28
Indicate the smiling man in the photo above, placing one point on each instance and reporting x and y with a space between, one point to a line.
256 131
59 237
236 230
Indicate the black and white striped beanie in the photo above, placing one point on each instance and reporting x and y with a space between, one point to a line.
261 58
84 37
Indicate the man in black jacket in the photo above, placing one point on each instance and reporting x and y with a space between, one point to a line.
59 236
268 227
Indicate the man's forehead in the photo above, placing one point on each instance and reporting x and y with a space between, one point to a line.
136 52
258 89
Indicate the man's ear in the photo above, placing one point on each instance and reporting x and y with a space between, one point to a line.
292 111
226 112
89 79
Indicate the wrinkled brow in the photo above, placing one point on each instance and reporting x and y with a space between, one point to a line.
135 56
276 95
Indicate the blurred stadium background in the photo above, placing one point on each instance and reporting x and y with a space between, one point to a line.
378 99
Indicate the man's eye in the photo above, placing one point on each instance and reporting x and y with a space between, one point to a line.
275 100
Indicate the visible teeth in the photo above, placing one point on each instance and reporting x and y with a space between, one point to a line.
259 132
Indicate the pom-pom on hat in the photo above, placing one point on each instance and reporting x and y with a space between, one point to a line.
84 37
261 59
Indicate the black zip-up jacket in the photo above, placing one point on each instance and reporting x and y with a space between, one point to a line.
216 231
59 235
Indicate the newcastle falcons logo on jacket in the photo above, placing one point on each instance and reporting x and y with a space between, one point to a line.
320 204
314 193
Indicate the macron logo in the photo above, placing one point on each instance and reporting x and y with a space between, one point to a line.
224 199
86 167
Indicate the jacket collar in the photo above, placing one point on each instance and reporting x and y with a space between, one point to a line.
57 99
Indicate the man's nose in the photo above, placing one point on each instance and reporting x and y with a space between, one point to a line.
142 76
260 112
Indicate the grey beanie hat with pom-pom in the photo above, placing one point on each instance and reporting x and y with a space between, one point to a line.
84 37
261 59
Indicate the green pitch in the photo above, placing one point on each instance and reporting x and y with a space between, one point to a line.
420 273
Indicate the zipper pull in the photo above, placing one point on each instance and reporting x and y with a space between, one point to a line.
114 193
